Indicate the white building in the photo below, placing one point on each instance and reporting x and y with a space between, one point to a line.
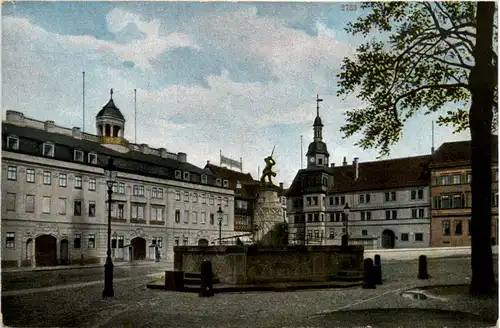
389 200
54 195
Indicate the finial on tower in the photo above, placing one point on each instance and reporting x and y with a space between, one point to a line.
318 100
111 93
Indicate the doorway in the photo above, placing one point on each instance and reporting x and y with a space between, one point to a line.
46 250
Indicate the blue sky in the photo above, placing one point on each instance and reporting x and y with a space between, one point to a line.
236 77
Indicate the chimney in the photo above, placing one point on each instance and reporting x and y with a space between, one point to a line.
182 157
208 162
238 188
49 125
281 185
332 164
344 163
163 153
355 163
77 133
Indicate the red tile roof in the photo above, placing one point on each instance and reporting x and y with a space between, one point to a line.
460 152
232 176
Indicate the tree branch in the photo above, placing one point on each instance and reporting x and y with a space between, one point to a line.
430 86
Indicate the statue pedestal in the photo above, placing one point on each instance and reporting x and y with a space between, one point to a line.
268 214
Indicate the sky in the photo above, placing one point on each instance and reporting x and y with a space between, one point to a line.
236 77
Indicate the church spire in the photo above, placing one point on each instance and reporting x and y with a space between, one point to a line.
318 126
317 104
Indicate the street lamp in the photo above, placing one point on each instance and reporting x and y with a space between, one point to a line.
219 216
110 175
345 240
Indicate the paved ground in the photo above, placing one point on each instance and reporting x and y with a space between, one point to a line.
136 306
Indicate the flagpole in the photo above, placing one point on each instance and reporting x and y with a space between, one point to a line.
83 128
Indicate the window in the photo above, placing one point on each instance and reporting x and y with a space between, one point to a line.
78 156
12 143
12 173
330 202
47 178
186 216
445 202
218 182
121 188
387 215
226 183
394 215
195 217
157 213
315 200
120 242
63 180
337 216
177 216
419 236
92 184
212 218
185 241
420 194
316 234
316 217
177 195
458 227
92 158
456 179
367 198
337 200
11 201
421 213
118 210
342 200
203 179
91 208
361 199
77 211
362 216
364 232
77 241
413 194
178 174
414 213
186 196
138 190
203 218
10 240
137 212
457 201
48 149
176 241
445 180
113 241
390 196
154 193
91 240
30 175
160 193
29 206
469 177
61 206
186 176
332 217
46 205
494 199
405 237
308 201
446 227
211 200
195 198
368 216
78 182
331 233
203 198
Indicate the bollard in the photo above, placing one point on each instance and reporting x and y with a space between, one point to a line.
369 281
377 268
206 289
422 267
174 280
344 241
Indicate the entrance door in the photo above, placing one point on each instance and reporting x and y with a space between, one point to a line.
388 239
139 248
46 250
64 251
202 242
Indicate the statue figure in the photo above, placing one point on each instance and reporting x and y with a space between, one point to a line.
268 172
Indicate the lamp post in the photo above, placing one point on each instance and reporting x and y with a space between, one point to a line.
110 175
345 241
219 217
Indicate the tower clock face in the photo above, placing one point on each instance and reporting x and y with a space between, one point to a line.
312 159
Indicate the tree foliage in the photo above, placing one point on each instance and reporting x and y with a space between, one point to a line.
424 63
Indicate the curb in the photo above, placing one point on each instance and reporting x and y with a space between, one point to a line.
75 267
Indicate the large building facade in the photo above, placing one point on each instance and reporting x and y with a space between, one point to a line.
388 201
54 208
452 197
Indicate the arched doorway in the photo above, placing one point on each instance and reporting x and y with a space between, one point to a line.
388 239
46 250
202 242
64 251
138 248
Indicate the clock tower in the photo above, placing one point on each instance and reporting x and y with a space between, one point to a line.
317 153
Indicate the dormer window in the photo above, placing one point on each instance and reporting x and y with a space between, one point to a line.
13 143
178 174
92 158
218 182
203 179
226 183
186 176
78 156
48 149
